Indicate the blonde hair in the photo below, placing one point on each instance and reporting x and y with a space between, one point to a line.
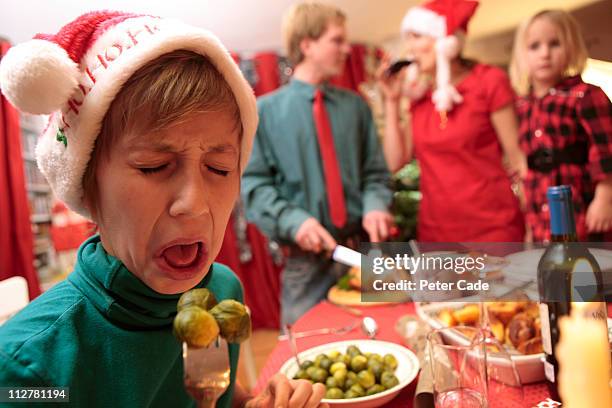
569 36
307 20
163 92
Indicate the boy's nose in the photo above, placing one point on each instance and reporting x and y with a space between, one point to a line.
191 199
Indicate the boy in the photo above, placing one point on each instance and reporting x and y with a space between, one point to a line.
151 126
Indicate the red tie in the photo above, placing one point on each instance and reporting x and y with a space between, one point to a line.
331 169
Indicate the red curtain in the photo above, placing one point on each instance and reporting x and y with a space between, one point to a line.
266 66
16 241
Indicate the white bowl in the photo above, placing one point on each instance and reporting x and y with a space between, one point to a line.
406 372
530 367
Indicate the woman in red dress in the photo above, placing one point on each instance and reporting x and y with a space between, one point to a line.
461 127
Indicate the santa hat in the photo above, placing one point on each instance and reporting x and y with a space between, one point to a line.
442 20
75 74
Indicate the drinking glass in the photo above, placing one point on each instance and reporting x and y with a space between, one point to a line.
458 367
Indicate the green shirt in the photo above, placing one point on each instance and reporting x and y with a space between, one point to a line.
283 184
107 336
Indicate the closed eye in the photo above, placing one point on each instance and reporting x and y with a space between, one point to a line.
151 170
219 172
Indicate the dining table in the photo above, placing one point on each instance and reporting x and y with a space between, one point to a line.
326 315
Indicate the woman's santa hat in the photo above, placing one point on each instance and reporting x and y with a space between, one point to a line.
74 76
442 20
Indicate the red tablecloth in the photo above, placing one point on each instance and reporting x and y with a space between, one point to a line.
329 315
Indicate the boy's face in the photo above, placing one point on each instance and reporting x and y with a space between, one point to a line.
328 53
165 198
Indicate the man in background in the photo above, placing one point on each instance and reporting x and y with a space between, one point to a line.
317 176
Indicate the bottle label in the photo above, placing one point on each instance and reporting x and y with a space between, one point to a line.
545 327
549 371
592 310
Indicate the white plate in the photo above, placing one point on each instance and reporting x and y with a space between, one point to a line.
530 366
406 372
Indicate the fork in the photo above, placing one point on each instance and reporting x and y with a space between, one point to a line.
327 330
206 372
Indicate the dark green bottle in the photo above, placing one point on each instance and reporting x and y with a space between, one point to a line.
567 273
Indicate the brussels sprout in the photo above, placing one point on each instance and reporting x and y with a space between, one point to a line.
359 363
336 366
376 368
305 364
301 375
318 359
375 389
200 297
351 394
366 379
195 326
357 389
331 382
346 359
348 383
319 375
334 393
340 375
310 370
353 351
352 375
233 319
375 357
367 354
390 361
333 355
325 363
388 380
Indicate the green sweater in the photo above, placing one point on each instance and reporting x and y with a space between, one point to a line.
107 336
284 184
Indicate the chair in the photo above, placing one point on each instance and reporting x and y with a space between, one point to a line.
13 296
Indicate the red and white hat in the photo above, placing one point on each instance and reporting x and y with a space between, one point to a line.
442 20
75 74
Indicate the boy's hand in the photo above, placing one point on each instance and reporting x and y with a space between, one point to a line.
284 393
377 224
599 215
312 236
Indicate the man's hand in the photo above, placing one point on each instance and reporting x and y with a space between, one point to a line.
312 236
377 224
284 393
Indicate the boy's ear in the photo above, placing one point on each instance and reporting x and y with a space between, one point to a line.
305 46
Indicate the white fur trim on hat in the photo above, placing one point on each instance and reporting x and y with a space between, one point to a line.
424 21
38 76
107 65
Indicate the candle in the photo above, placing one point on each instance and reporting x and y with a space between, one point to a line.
584 361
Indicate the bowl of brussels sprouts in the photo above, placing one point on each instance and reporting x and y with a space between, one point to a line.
356 373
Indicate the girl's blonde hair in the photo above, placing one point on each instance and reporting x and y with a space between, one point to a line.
164 92
307 20
569 36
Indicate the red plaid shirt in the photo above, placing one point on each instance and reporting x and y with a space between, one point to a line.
570 113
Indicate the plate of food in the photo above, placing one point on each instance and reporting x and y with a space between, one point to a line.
356 373
516 325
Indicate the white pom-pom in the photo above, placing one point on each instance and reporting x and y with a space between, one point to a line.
38 76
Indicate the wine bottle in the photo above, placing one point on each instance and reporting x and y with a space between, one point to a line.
567 273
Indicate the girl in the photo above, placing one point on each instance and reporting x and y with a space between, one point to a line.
462 124
565 125
151 126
